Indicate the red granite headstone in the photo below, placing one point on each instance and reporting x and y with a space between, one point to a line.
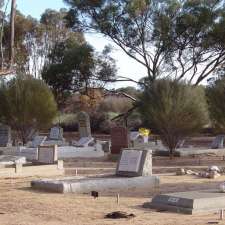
119 139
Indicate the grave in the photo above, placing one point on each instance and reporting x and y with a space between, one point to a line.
56 133
119 139
84 124
191 202
140 172
134 163
5 136
47 154
218 142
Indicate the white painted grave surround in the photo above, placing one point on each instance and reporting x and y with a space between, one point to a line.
130 161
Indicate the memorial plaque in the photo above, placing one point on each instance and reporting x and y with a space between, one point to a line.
47 154
119 139
84 124
130 160
135 162
5 136
56 133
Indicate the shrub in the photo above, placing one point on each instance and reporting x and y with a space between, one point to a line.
216 98
175 109
26 104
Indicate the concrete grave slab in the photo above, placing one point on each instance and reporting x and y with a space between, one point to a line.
85 185
135 162
189 202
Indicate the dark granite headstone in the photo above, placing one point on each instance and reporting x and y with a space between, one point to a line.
119 139
84 124
135 162
218 142
5 136
47 154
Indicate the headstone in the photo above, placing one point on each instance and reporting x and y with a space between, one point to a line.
134 163
47 154
218 142
84 142
119 139
190 202
5 136
38 140
84 124
56 133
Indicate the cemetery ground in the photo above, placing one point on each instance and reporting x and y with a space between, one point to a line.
20 205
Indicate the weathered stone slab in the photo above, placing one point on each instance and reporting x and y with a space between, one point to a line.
37 141
5 136
84 124
119 139
85 185
135 162
189 202
47 154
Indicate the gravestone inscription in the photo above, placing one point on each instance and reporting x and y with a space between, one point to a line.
135 162
84 124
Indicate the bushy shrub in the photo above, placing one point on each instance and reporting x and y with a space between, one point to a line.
175 109
216 101
26 104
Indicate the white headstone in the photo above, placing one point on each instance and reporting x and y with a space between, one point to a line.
135 162
130 161
47 154
56 133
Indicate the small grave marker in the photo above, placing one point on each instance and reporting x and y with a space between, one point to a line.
47 154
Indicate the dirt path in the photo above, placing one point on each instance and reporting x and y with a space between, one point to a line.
19 205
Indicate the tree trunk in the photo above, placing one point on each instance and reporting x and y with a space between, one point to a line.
12 29
171 153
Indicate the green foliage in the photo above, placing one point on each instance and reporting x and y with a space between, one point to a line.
183 39
75 66
216 98
175 109
26 104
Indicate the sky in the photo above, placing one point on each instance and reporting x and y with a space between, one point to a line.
126 66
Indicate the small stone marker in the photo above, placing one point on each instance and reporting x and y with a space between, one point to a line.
84 124
5 136
38 140
56 133
218 142
119 139
47 154
134 163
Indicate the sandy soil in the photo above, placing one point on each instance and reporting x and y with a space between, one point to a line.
19 205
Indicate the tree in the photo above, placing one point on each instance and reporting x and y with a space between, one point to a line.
183 39
75 66
175 109
26 104
216 97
